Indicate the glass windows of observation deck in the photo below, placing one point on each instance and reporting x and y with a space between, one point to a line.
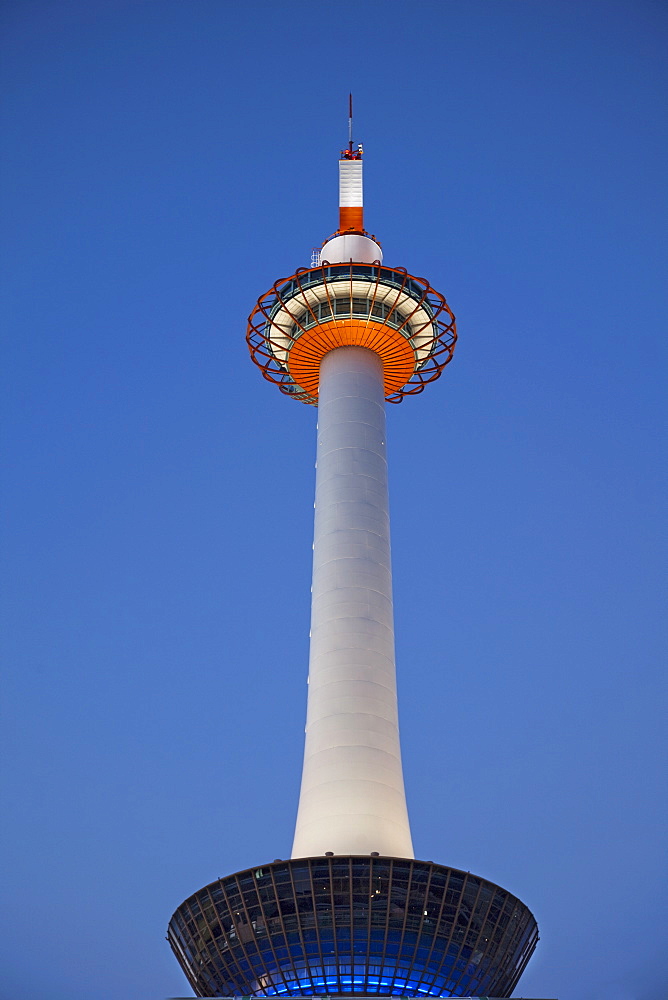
322 312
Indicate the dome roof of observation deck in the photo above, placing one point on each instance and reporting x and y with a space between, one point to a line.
344 247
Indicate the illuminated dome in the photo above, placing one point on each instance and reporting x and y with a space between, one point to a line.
353 925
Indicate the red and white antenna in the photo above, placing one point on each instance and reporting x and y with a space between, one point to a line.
351 191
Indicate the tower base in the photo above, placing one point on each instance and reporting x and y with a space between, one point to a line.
360 926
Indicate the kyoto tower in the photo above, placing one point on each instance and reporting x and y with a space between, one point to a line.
352 912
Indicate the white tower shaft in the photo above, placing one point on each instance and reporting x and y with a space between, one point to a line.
352 795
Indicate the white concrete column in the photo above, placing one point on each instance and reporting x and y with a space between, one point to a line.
352 795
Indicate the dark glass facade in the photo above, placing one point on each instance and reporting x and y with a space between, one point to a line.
394 278
353 925
350 307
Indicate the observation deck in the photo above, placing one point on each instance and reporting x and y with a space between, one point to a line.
398 316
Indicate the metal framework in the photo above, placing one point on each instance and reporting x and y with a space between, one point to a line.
400 317
367 926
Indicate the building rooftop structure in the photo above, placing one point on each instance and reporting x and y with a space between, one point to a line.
352 912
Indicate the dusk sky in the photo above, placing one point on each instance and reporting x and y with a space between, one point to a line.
163 163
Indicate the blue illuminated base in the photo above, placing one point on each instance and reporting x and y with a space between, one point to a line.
353 926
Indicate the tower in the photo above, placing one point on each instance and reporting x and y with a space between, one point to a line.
352 912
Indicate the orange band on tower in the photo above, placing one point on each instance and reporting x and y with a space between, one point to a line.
351 218
394 349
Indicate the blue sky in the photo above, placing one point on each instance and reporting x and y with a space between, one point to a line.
164 162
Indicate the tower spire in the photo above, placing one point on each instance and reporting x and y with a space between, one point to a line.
351 190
